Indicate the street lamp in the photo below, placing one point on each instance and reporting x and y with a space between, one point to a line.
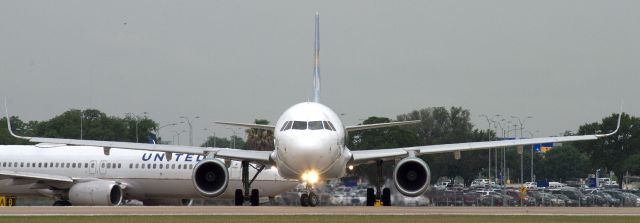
190 128
136 118
158 131
178 134
234 137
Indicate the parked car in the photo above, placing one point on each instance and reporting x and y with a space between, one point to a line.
626 199
546 199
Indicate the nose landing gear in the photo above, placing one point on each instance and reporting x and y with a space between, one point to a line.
308 197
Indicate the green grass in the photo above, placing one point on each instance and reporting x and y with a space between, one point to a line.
321 218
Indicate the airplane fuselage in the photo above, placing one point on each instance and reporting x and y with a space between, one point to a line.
145 175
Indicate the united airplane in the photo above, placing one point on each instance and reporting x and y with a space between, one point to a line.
310 146
86 176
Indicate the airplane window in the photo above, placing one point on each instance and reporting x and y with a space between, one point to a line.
119 165
45 165
160 166
191 166
86 165
9 164
148 165
21 164
51 164
173 166
130 165
179 166
39 165
57 165
327 126
315 125
166 166
108 165
284 125
299 125
137 166
4 164
142 166
154 166
28 164
68 165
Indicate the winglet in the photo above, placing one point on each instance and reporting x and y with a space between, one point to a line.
617 127
6 110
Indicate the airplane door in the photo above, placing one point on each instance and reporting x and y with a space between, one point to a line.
93 167
103 167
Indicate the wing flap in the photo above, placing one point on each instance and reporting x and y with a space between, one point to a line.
34 177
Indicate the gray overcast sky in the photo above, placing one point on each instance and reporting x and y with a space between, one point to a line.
564 62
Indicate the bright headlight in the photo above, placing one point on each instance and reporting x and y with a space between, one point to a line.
310 176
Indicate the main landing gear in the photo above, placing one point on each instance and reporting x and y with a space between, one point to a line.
376 198
308 197
254 196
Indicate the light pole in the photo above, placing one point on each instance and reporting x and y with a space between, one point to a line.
488 128
190 128
213 132
158 131
234 137
136 118
81 120
178 134
531 134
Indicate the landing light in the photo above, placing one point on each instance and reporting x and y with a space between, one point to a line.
310 176
350 167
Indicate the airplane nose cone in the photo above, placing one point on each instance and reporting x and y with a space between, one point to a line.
310 154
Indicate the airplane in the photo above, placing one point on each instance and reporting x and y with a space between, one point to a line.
85 176
310 145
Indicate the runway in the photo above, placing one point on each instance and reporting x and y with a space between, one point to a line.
289 210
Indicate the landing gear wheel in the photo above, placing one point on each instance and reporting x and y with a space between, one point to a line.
239 198
304 200
61 203
386 197
313 199
255 197
371 197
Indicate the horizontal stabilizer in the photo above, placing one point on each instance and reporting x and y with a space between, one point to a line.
380 125
247 125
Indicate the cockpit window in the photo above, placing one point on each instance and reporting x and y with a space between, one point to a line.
299 125
329 125
284 126
315 125
288 126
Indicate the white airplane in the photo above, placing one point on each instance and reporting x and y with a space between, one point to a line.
84 175
310 144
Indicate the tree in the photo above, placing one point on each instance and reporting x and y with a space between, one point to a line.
18 127
260 139
224 142
609 153
563 163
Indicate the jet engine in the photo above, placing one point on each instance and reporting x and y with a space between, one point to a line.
210 177
99 192
411 176
167 202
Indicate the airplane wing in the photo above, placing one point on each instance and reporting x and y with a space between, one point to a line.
367 156
233 154
21 178
379 125
246 125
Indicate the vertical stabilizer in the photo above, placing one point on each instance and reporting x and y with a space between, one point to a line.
316 63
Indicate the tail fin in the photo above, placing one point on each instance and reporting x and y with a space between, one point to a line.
316 65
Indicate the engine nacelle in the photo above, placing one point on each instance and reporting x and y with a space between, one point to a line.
167 202
210 177
412 176
99 192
